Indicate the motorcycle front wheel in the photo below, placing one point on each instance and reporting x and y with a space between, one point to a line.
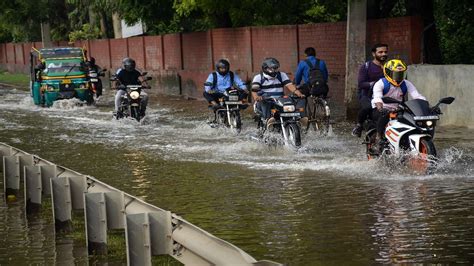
135 112
294 134
425 161
235 121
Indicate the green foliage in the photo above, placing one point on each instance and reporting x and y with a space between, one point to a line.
456 30
86 33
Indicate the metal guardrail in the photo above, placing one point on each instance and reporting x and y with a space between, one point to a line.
149 230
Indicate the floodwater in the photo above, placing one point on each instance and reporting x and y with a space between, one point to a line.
321 204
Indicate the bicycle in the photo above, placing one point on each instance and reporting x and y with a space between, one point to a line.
319 114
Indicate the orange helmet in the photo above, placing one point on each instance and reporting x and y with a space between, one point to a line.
394 71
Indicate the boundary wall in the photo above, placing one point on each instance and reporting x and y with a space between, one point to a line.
181 62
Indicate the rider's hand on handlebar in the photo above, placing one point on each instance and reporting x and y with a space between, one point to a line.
258 98
299 94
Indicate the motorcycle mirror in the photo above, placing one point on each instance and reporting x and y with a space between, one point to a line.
447 100
148 78
390 100
144 73
104 69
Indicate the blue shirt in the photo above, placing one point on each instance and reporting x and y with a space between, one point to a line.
302 72
223 82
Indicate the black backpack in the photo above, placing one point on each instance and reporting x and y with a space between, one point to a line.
317 85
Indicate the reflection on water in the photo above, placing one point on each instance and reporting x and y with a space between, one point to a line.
322 204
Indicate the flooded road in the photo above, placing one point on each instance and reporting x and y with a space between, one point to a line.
322 204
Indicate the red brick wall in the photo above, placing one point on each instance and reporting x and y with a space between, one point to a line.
233 45
192 55
275 41
197 51
153 52
136 48
2 53
10 53
99 49
172 48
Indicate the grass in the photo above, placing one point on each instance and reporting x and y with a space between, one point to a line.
21 80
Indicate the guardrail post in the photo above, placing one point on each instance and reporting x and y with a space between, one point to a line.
47 172
78 186
96 223
137 234
62 207
32 189
161 230
5 151
115 203
13 172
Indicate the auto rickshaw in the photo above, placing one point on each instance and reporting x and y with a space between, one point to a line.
60 74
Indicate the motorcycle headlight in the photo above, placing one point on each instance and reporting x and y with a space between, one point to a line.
429 123
288 108
134 95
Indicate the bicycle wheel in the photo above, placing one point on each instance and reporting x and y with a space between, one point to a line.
320 116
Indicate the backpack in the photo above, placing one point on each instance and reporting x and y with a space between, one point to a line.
214 79
317 85
386 87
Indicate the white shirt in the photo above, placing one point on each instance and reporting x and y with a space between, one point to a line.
395 93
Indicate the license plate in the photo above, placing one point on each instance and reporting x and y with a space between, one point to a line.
426 117
94 80
230 103
289 114
66 81
233 98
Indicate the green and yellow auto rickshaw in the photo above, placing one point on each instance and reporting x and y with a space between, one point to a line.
60 74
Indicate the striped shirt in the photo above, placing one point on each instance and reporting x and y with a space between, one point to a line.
270 85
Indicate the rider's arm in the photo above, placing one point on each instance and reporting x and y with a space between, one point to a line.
299 72
324 70
290 86
378 94
256 84
208 84
363 78
239 82
414 94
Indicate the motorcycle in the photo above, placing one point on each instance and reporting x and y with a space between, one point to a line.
410 131
285 119
94 79
131 101
229 112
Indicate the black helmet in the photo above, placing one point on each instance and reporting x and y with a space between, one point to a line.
128 64
222 67
270 66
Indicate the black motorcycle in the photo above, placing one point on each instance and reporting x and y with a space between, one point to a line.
131 102
228 114
285 119
94 79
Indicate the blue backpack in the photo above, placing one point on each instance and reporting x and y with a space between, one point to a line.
386 87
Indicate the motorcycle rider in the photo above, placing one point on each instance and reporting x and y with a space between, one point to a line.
90 64
369 73
128 75
393 85
272 82
219 81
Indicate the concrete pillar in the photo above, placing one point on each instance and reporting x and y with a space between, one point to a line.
355 51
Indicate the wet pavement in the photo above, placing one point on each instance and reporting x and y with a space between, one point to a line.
321 204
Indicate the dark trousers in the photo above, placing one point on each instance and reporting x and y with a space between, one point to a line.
320 91
381 118
365 109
